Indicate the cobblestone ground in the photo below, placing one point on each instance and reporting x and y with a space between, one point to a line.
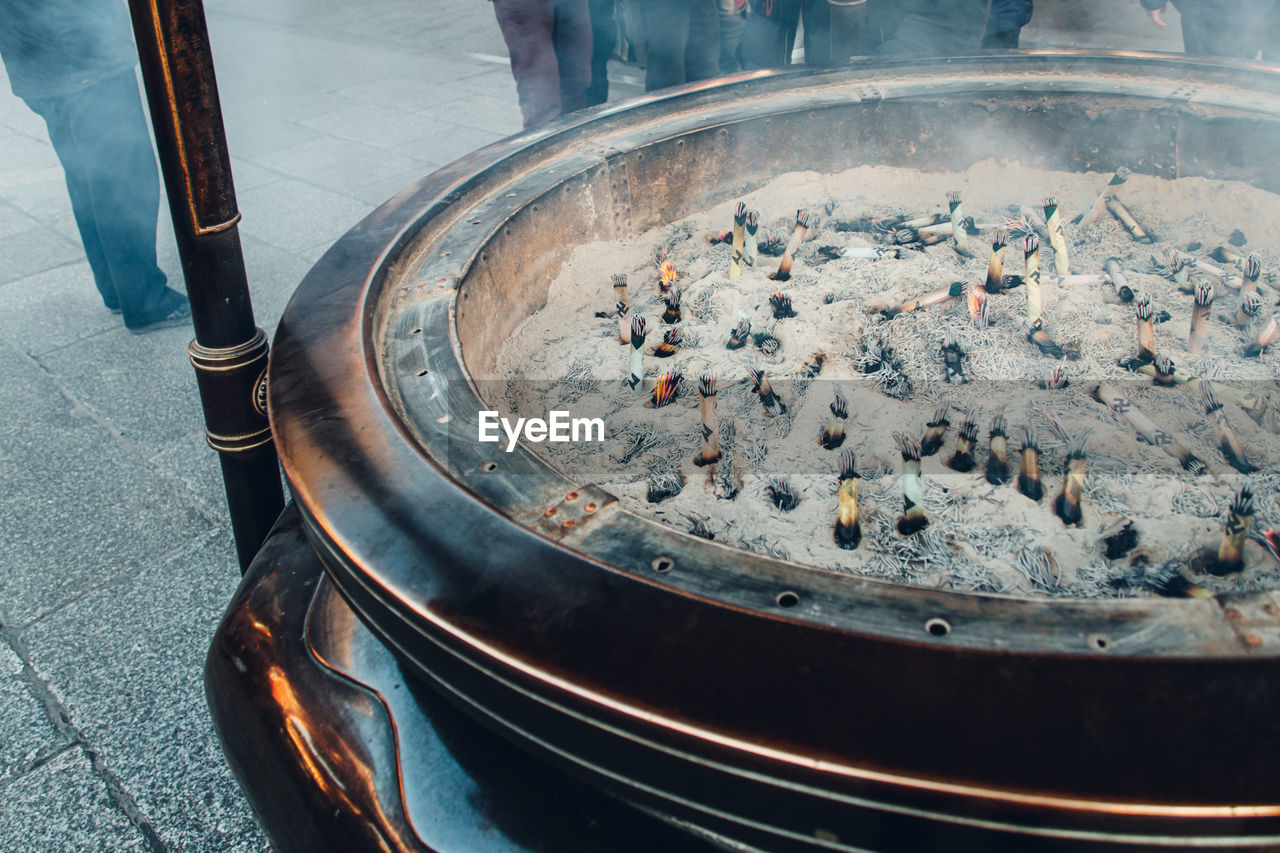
115 554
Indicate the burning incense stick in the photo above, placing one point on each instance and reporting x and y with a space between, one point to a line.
773 406
998 461
749 253
957 225
1121 405
1164 375
936 297
793 245
1234 533
670 344
1029 476
781 305
635 376
1122 174
1041 338
1031 277
1228 441
934 430
953 359
995 264
672 300
1053 221
1057 378
739 224
1118 279
665 389
978 305
1200 318
848 532
833 432
1266 335
1248 309
1130 223
1146 329
1252 269
783 496
666 274
738 337
710 424
962 459
912 519
1067 504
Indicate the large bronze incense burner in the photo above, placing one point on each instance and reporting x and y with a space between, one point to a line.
748 699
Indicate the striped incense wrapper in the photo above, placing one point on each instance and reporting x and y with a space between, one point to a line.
710 423
1122 174
739 227
1053 221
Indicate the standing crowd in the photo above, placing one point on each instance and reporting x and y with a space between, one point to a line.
560 48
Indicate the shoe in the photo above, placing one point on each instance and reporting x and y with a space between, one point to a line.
177 313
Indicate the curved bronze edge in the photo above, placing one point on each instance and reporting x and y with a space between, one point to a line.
337 751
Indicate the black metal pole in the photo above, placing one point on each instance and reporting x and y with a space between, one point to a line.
229 352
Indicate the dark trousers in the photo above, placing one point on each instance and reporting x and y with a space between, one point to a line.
770 34
604 38
100 136
682 42
1238 28
549 42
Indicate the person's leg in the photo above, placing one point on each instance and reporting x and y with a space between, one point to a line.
526 28
764 41
817 32
571 37
604 38
732 22
666 29
1007 40
77 180
702 50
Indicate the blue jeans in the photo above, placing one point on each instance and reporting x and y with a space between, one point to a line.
100 135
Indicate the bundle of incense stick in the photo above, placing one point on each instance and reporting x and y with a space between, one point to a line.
997 472
793 245
1090 279
738 337
1235 533
620 293
773 406
1247 310
1040 338
995 264
962 459
978 305
1122 174
784 497
635 374
929 300
953 359
1200 318
672 312
1250 402
624 322
739 226
1053 222
934 430
1164 371
710 425
957 225
1129 221
1252 269
670 344
1057 379
1146 329
1067 504
781 305
913 518
1029 475
1228 441
848 532
664 390
1031 277
1117 279
833 432
1264 338
1107 394
869 253
749 253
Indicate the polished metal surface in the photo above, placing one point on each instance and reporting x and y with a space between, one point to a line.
843 721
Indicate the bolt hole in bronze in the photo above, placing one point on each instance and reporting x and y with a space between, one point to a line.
571 640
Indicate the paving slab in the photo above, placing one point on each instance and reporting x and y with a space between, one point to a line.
335 164
27 735
448 142
55 308
127 664
63 806
295 216
36 250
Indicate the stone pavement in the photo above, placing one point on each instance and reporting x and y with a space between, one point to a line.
115 554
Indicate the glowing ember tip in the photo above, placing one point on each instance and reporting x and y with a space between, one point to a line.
665 389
